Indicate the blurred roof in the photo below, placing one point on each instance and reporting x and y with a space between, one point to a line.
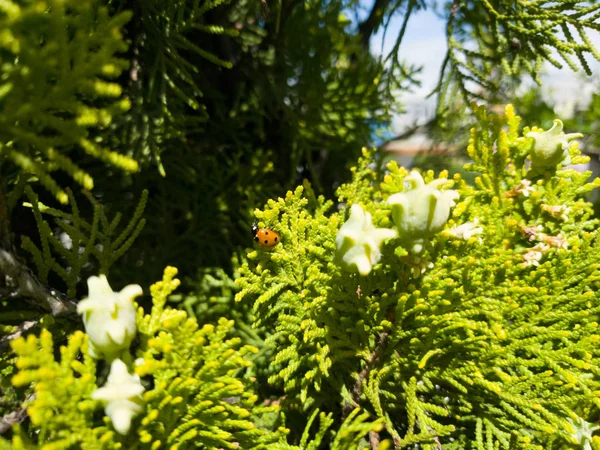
421 142
417 143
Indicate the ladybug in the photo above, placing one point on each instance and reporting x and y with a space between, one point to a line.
265 237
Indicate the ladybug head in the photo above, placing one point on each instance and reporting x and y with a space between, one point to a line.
254 229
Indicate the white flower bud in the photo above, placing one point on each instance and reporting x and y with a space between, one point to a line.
109 317
421 211
552 146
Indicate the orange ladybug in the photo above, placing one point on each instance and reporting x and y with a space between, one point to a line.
266 238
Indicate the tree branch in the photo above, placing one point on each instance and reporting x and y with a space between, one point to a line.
368 26
357 390
34 292
13 417
24 327
373 358
374 440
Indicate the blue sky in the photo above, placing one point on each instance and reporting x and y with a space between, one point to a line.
425 44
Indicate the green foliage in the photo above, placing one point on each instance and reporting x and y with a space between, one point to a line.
61 409
85 239
57 63
535 110
212 294
10 400
486 339
350 435
331 87
586 119
293 84
295 97
491 42
199 216
165 77
483 341
292 296
193 397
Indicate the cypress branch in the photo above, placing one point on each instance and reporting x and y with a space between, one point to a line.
48 103
83 237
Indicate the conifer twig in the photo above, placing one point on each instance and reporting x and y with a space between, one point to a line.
374 440
357 390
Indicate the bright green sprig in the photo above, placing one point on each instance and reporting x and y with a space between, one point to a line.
84 238
304 255
197 397
53 94
61 411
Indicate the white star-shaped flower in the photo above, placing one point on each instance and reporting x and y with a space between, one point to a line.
121 395
558 211
465 231
358 242
558 241
582 433
535 255
524 188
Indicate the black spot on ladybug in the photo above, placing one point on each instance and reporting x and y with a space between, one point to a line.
266 233
266 241
275 239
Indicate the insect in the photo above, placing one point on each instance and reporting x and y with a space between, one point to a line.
265 237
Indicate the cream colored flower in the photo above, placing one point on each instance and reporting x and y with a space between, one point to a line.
465 231
558 211
558 241
582 433
551 146
524 188
421 211
535 255
358 242
109 317
121 395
